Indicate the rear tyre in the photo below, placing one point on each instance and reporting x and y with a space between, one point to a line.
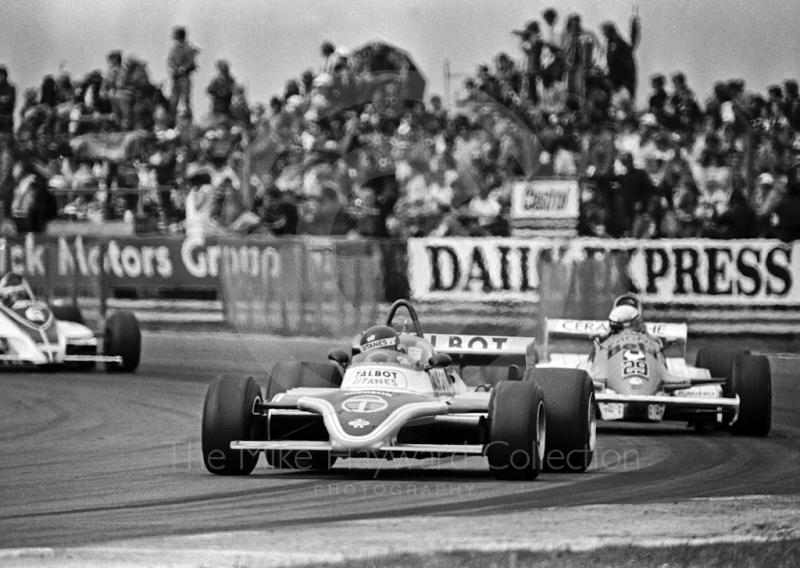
752 381
227 417
517 430
286 376
719 363
571 418
122 338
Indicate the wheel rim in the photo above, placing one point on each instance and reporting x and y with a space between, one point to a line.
592 424
541 432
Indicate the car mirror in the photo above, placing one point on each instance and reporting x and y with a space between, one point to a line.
513 373
339 356
440 360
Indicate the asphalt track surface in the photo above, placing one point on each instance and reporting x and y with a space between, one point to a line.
89 457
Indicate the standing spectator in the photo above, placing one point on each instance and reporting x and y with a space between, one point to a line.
787 213
8 101
683 104
579 48
657 102
791 104
552 63
113 78
620 60
532 45
221 90
181 63
636 190
329 57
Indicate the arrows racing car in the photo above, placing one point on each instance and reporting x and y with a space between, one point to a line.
34 334
640 373
401 395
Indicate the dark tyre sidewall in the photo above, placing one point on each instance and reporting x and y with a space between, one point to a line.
752 381
123 338
720 362
517 430
571 418
227 417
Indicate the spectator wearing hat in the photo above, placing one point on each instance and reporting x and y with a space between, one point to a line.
579 47
220 89
181 64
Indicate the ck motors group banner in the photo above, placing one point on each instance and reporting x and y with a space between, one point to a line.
549 206
166 262
692 271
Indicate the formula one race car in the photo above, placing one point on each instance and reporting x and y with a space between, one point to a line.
33 334
401 395
640 373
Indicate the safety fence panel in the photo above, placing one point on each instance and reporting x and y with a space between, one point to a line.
321 287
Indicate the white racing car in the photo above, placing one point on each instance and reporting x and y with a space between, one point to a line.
34 334
640 373
401 395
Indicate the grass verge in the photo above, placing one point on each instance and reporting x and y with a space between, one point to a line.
775 554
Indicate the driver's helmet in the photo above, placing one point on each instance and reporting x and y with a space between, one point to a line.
13 288
625 318
380 337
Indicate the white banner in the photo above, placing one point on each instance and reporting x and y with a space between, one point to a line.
691 271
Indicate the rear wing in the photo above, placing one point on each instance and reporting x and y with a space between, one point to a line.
486 350
672 334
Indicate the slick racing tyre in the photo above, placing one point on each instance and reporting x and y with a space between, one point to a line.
67 312
752 381
517 430
571 418
227 417
122 338
286 376
719 363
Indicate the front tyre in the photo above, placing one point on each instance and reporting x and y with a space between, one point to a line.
752 381
571 418
517 431
228 417
122 338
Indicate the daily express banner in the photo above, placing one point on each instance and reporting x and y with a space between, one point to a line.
696 272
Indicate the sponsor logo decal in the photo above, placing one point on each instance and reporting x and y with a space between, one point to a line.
359 423
378 343
378 378
365 404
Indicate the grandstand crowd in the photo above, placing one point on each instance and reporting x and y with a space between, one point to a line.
353 147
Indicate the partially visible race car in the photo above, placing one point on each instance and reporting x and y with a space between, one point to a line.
401 395
640 373
34 334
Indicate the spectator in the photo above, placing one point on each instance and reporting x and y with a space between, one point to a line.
278 213
8 102
181 63
787 212
658 99
636 191
579 49
532 45
551 59
620 60
113 78
791 104
329 57
683 104
221 90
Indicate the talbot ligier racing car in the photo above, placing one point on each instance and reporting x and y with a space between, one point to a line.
640 373
34 334
401 395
